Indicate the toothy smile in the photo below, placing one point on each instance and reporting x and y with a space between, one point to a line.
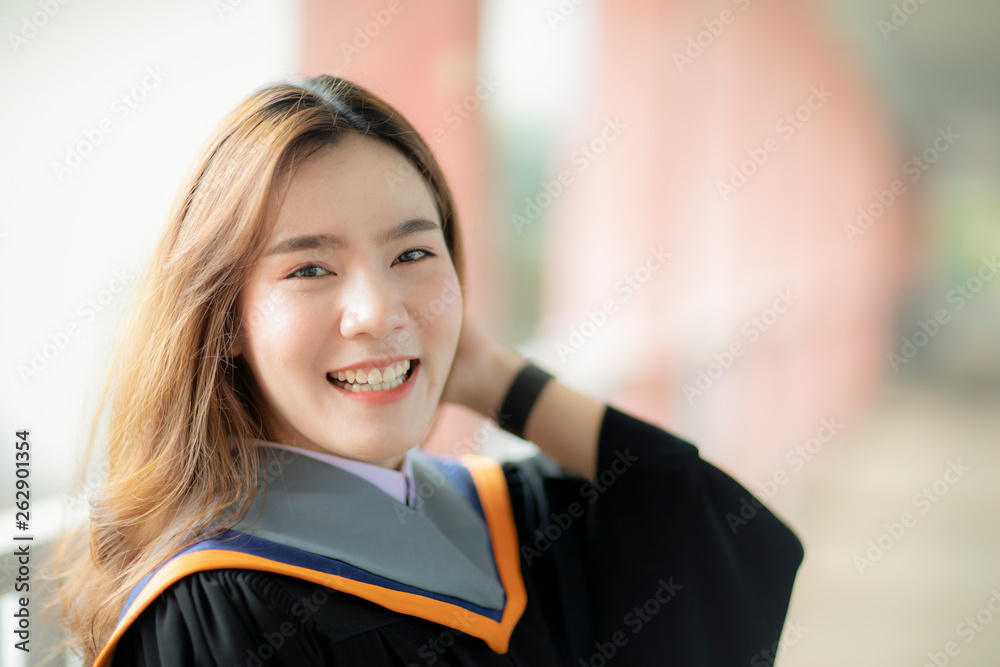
373 379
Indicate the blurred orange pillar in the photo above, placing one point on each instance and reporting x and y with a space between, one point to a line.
700 89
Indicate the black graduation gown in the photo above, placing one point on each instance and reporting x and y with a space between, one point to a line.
663 559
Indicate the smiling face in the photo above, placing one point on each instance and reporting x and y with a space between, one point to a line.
356 274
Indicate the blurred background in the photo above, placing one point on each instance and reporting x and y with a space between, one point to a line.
771 227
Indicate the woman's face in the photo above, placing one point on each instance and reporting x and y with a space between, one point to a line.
355 275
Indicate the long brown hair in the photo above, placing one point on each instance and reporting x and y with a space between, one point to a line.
173 396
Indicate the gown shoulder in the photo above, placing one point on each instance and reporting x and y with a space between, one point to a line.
661 554
225 617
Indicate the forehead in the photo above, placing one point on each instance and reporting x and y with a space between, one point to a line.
358 186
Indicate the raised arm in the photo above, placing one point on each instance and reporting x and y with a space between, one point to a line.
564 423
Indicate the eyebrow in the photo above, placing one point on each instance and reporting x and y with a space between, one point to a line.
334 242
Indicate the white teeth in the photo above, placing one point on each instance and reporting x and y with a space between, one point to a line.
373 376
373 379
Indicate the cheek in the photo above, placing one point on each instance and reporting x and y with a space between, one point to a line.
277 327
263 309
441 313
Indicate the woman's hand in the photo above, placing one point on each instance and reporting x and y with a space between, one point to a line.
564 422
482 372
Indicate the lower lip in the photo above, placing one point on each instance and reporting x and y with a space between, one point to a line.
382 397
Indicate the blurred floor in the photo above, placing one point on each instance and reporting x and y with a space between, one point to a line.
902 598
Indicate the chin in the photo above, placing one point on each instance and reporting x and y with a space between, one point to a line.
372 452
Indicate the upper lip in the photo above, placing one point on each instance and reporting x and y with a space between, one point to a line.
372 363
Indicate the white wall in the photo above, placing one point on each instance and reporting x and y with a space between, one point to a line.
66 236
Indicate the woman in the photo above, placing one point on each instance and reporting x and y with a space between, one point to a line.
296 330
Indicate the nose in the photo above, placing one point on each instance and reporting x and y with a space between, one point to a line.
373 305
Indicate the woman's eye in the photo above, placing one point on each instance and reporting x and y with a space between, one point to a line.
308 271
315 271
426 253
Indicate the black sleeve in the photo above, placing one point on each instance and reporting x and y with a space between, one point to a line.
220 617
676 561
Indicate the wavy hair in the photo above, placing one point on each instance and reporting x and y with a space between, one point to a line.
172 396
